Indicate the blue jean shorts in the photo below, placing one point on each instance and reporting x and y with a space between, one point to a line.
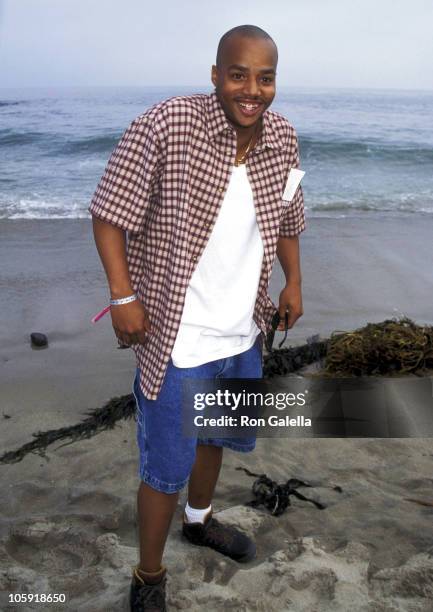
166 457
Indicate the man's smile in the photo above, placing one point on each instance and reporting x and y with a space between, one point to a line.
249 109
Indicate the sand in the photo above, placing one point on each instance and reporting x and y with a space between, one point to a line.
68 520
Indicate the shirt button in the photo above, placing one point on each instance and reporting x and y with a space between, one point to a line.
194 258
207 225
220 189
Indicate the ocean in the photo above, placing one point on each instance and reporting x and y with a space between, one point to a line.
363 151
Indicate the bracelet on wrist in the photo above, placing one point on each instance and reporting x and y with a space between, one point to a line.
124 300
117 302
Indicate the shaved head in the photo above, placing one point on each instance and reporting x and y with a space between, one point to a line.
245 78
245 31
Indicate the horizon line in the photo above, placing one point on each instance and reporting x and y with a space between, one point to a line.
202 86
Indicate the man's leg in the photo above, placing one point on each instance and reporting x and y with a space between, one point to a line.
199 526
166 461
155 512
204 475
208 460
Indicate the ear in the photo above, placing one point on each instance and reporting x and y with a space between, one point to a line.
214 75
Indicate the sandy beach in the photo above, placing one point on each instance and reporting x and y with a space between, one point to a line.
68 519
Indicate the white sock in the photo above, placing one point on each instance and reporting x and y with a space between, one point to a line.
196 515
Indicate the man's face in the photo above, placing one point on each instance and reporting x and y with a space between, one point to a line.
245 81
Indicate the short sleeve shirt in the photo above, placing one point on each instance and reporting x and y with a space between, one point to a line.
164 185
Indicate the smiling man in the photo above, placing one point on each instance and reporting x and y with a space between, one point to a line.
196 186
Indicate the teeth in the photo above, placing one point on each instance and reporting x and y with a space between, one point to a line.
248 106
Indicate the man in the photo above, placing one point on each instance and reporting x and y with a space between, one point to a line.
196 182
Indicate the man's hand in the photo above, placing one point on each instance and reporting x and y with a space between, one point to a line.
131 322
291 301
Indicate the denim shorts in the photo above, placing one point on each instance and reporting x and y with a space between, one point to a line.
166 457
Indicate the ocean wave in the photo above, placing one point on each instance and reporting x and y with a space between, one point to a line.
405 205
96 144
32 208
4 103
337 212
363 150
59 144
12 138
313 148
27 208
46 217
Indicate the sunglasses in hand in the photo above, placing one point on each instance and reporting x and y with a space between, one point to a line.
269 340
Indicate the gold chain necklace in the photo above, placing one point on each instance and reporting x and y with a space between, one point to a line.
243 157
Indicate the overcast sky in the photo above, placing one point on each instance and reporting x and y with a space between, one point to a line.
322 43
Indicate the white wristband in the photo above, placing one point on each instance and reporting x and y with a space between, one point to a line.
124 300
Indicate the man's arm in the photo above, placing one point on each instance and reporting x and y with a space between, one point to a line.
111 245
291 225
130 321
119 205
291 296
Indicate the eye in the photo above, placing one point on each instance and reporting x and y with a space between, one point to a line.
237 76
268 79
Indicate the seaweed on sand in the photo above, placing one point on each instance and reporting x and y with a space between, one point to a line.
392 347
276 497
99 419
287 360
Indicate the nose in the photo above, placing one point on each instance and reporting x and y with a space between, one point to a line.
251 88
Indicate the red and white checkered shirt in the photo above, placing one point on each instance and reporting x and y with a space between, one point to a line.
164 184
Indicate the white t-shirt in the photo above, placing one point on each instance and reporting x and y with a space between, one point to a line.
217 319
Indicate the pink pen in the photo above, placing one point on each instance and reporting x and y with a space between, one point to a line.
100 314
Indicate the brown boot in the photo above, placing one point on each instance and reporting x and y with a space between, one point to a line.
225 539
147 592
